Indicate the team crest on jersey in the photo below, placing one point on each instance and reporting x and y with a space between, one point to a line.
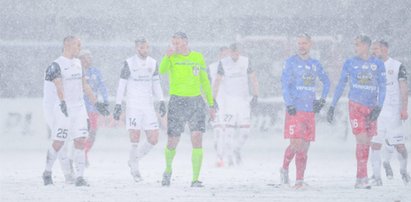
390 72
373 67
196 70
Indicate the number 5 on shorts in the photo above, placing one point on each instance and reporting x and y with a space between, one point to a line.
291 129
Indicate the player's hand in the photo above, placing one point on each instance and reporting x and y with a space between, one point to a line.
215 106
374 113
212 113
170 51
330 114
318 105
291 110
63 108
102 108
254 101
117 112
162 109
404 114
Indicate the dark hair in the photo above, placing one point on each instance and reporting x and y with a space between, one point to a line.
140 40
69 39
304 35
181 35
235 47
384 43
364 39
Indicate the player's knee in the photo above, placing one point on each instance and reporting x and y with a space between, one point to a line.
153 140
79 143
376 146
400 148
57 145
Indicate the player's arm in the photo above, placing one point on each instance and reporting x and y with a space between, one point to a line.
102 87
382 84
122 84
165 65
286 81
158 92
402 79
339 90
53 74
325 81
205 83
217 80
254 82
101 107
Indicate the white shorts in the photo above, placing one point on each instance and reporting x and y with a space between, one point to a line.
64 128
235 112
141 118
390 127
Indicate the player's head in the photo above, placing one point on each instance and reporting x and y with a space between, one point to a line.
72 46
235 49
362 44
180 41
85 58
142 47
380 49
304 44
224 52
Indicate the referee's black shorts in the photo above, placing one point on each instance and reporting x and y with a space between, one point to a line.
182 110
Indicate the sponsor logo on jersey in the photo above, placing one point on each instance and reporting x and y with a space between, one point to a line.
373 67
196 70
364 78
309 79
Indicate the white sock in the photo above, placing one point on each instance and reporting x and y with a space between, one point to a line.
403 158
376 163
241 138
230 141
387 152
51 158
144 149
64 161
79 162
133 162
219 142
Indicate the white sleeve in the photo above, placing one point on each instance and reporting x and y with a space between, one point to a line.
158 91
122 84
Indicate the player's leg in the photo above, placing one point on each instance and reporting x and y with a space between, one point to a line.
376 146
358 119
175 123
92 126
66 162
306 128
151 127
219 144
243 128
403 158
134 135
79 131
197 127
59 127
290 125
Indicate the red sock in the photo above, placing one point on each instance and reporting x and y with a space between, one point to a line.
288 157
362 159
301 163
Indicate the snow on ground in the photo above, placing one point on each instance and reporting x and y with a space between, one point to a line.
330 172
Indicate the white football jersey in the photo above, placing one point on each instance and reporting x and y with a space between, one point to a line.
140 80
392 68
235 77
71 74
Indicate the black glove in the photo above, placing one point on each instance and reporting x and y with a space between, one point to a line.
254 101
215 106
291 110
162 108
63 108
318 105
330 114
117 112
102 108
374 113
